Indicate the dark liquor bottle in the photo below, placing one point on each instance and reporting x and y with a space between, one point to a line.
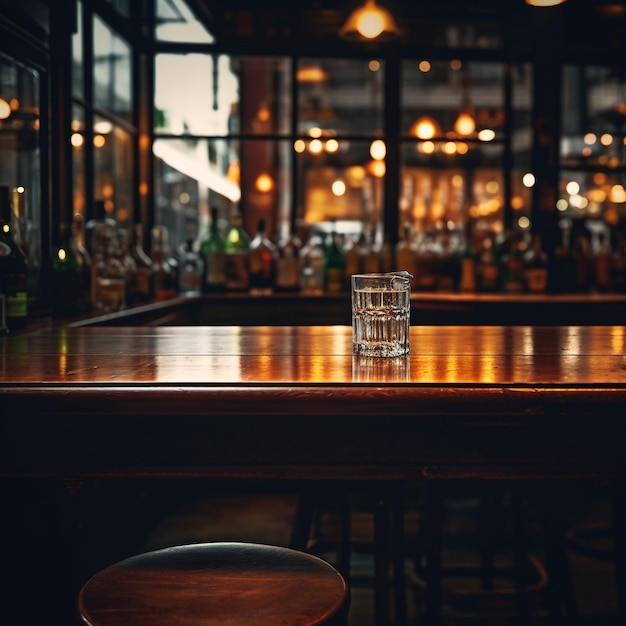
212 251
67 276
13 267
190 271
99 228
262 258
334 265
141 289
237 248
287 264
536 266
163 275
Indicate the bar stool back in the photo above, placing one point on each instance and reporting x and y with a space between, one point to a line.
216 584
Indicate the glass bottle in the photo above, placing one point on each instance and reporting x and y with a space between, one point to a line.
109 277
405 253
536 266
190 271
287 264
467 266
163 275
262 258
84 261
67 276
352 258
513 280
618 263
127 262
13 267
488 269
311 266
601 258
214 256
334 265
98 228
237 248
141 290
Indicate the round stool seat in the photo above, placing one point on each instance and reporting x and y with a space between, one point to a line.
216 584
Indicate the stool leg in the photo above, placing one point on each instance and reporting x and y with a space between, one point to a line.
381 562
303 521
434 517
619 546
399 577
561 587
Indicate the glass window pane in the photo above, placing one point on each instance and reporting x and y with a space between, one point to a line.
340 96
113 169
203 94
592 195
192 176
112 71
594 117
340 183
176 22
441 186
78 67
20 156
121 6
452 99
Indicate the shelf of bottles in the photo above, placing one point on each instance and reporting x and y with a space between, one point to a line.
109 270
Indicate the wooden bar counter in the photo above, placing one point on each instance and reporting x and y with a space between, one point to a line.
278 402
234 404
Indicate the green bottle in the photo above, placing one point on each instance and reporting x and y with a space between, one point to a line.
67 276
212 251
334 265
237 248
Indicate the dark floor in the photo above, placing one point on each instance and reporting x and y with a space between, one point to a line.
267 515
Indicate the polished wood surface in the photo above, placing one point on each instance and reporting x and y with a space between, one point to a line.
277 402
216 584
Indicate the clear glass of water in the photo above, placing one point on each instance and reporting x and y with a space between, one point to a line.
381 314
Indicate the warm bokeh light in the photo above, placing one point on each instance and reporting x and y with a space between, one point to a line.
486 134
465 124
378 150
264 183
427 147
425 128
299 146
562 204
5 109
332 145
338 188
606 139
77 140
99 141
572 187
528 180
316 146
424 66
590 139
617 194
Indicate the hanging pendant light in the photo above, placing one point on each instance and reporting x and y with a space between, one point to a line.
370 22
544 3
465 124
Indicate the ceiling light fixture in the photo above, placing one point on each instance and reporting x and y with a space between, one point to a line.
544 3
370 22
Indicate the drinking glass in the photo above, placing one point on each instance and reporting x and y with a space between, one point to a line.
381 312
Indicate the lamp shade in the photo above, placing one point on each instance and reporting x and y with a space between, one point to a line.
370 22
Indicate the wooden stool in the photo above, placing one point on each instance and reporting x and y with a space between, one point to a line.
216 584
